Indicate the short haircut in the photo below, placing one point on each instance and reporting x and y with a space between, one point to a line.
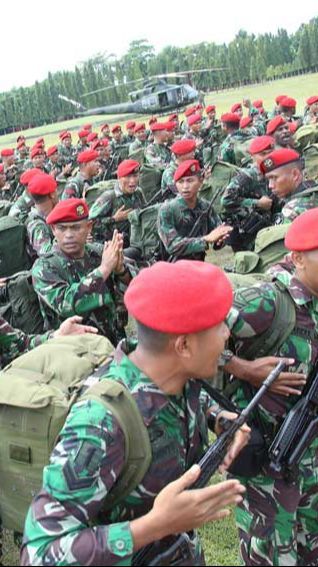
151 340
38 199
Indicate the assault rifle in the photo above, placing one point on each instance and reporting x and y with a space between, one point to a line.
299 429
174 550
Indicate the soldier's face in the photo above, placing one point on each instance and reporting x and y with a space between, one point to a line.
130 131
141 135
117 136
195 128
283 181
2 179
129 183
306 264
67 142
92 168
206 348
188 187
283 136
185 157
38 161
71 237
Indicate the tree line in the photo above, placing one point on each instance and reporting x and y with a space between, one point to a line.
245 59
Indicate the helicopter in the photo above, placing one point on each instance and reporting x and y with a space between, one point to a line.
156 96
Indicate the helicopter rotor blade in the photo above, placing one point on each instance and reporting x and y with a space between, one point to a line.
77 105
112 87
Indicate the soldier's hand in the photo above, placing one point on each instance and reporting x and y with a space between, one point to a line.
67 169
241 439
177 508
219 234
73 326
264 203
256 371
121 214
110 254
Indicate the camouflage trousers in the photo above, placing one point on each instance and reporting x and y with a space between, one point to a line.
277 521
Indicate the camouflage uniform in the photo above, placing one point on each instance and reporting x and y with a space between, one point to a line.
40 235
157 155
120 149
105 207
14 342
277 521
68 155
168 186
66 523
175 222
22 207
68 286
137 145
76 187
227 148
295 204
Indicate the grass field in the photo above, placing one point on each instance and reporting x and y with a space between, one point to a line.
298 87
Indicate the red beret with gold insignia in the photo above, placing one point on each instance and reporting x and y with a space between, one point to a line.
186 169
70 210
274 124
278 158
127 167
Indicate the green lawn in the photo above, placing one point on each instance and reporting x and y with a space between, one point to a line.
298 87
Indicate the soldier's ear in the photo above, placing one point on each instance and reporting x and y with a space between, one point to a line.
182 346
298 260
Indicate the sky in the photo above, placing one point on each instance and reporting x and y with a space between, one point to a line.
45 36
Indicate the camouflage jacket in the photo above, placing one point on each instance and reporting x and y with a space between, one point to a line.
175 223
75 187
67 286
137 145
241 195
120 149
14 342
66 524
22 207
168 186
104 208
68 155
227 148
157 155
40 235
252 314
297 204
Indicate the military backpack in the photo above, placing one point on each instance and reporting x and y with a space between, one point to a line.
19 303
150 181
37 391
144 230
213 188
306 135
92 193
310 156
13 251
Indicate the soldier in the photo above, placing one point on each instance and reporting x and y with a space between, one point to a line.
140 141
277 109
88 127
284 170
247 124
82 141
55 165
171 129
288 108
311 117
177 217
182 150
37 160
14 342
161 370
277 518
66 150
5 189
88 168
105 132
278 127
10 170
237 108
21 154
106 163
118 146
157 154
78 278
246 202
230 125
43 189
91 138
130 129
112 208
21 208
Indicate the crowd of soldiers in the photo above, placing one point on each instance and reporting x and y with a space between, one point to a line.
89 275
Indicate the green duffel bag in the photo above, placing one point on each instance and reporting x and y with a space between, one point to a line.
149 181
144 230
13 247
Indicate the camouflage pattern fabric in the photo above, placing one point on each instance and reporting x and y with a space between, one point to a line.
76 186
22 207
296 204
227 151
278 521
40 235
175 222
168 186
242 194
14 342
106 206
67 287
157 155
137 145
66 524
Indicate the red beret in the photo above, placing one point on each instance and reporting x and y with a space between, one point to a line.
130 124
194 119
65 135
36 151
199 107
170 125
96 145
278 158
7 152
236 106
104 142
210 108
246 121
87 126
274 124
186 169
103 126
279 98
152 120
140 127
1 169
52 150
40 141
261 143
190 111
83 133
92 136
181 298
257 103
181 147
127 167
230 117
302 234
42 184
288 102
27 175
87 156
312 100
21 144
70 210
172 117
116 128
159 126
